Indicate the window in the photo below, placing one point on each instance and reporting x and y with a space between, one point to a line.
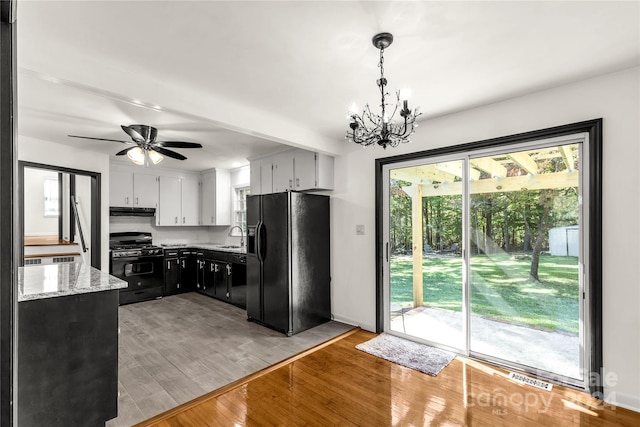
51 197
240 209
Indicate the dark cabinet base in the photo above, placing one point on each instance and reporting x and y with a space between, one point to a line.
68 360
144 294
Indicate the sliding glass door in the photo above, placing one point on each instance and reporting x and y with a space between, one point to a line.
425 298
485 255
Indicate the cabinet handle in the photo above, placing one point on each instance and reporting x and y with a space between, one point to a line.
168 265
178 285
297 182
213 268
126 200
228 270
211 220
290 183
183 220
183 265
176 220
137 203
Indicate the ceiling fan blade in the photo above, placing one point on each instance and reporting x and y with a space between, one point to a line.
125 151
134 134
168 153
100 139
178 144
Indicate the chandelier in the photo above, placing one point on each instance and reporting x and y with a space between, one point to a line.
369 128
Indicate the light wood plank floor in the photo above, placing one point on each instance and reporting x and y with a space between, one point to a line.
180 347
339 385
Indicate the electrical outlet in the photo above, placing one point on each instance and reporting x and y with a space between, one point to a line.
360 230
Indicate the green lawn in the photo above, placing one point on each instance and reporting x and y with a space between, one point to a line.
499 288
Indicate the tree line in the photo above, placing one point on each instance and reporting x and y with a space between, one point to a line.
504 221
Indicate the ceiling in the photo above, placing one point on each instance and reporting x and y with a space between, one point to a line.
248 78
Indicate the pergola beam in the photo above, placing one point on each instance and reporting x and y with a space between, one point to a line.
567 157
525 162
514 183
490 166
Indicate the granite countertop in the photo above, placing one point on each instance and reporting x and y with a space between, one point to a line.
207 246
57 280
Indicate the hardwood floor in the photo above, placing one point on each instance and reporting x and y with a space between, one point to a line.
180 347
339 385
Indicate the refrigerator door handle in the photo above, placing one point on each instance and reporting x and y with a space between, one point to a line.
259 241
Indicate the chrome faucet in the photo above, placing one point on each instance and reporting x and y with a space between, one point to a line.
241 234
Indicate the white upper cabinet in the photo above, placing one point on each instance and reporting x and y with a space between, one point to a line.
145 190
296 169
133 190
282 172
190 203
216 197
121 189
169 210
261 177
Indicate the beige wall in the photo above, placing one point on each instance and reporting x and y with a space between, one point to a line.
615 98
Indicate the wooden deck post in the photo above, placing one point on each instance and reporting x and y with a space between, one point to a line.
416 227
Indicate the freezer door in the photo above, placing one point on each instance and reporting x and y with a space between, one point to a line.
254 266
275 250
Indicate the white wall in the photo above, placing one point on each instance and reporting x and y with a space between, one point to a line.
50 153
35 222
616 99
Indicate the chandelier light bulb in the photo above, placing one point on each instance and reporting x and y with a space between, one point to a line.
405 94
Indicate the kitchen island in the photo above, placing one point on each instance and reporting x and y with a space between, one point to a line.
67 345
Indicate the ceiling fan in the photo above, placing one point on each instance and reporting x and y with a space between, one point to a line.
144 136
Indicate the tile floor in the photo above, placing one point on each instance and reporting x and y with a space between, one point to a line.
180 347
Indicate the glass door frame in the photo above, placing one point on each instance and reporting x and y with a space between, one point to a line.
386 300
591 185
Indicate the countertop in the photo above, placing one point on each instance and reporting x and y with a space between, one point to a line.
57 280
207 247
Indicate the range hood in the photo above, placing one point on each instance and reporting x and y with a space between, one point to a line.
122 211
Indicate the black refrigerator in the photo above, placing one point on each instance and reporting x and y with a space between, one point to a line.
288 261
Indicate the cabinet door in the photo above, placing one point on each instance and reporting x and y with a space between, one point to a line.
199 273
190 201
121 189
145 191
255 177
266 176
282 172
215 196
208 277
169 201
222 271
305 170
188 272
171 276
208 198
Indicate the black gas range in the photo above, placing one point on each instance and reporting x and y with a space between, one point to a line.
134 258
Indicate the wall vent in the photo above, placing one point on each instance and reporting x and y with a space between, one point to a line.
58 260
32 261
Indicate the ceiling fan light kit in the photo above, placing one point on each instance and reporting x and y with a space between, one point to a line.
147 149
369 128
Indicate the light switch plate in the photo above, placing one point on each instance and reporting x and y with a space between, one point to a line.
360 230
